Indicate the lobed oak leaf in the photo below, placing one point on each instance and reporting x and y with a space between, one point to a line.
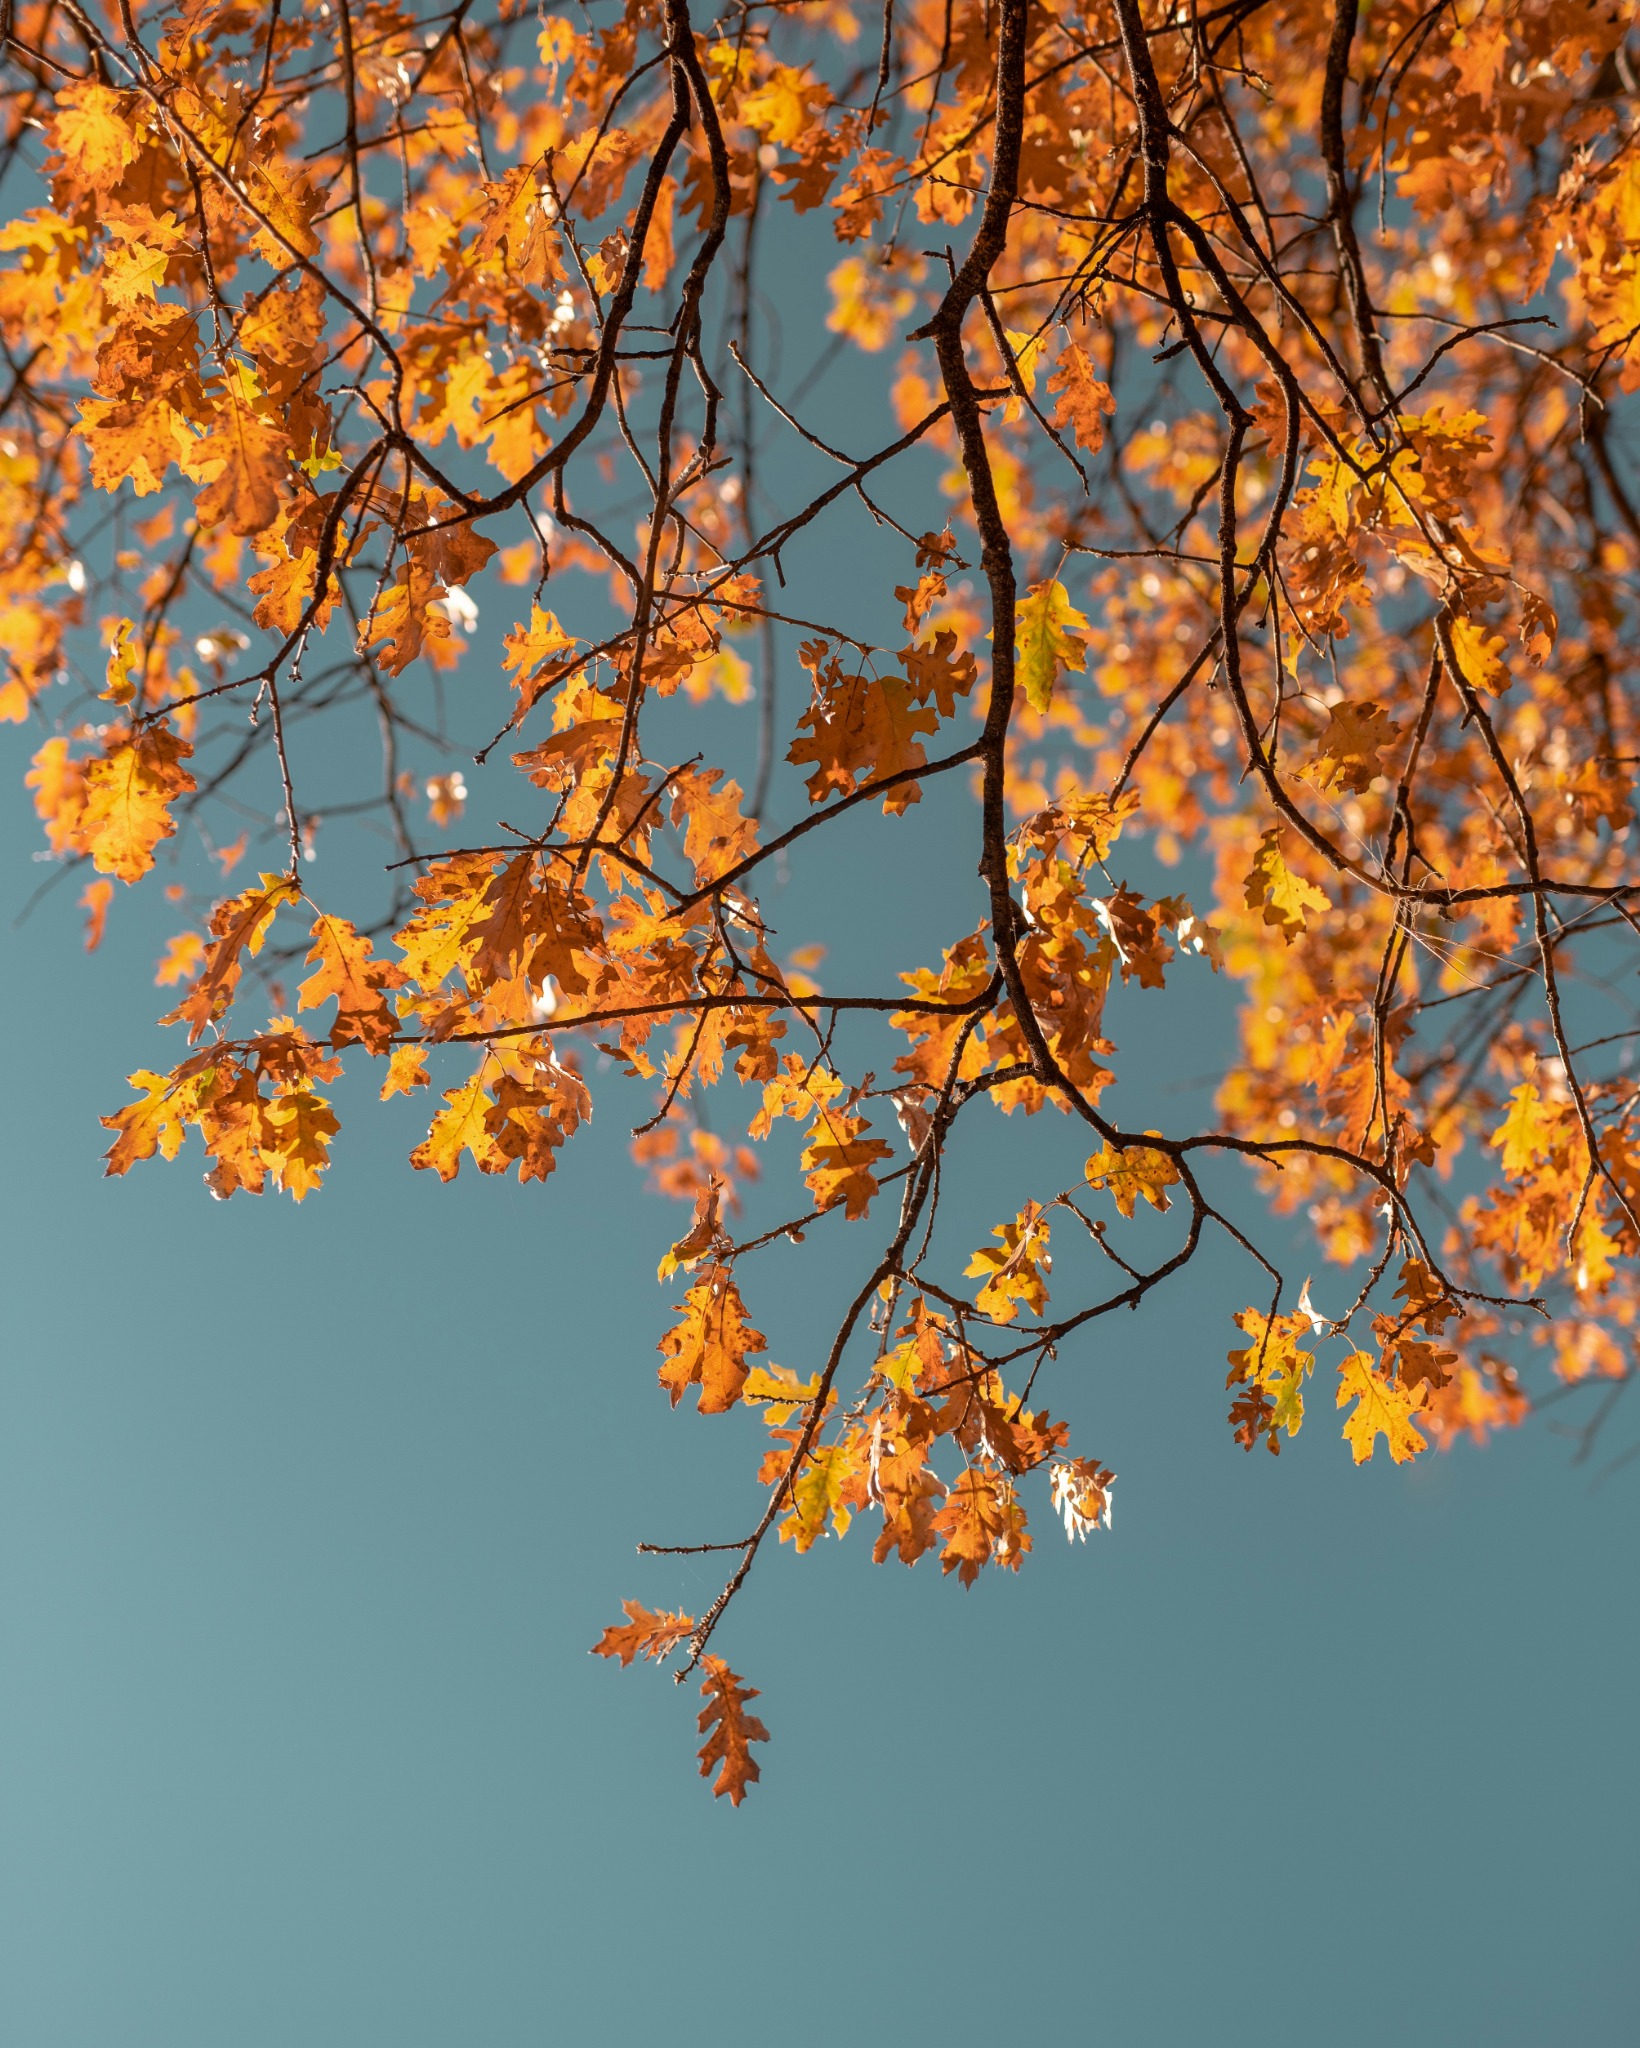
243 461
1133 1171
1271 1371
715 835
783 106
538 1108
1014 1269
93 129
1084 402
1526 1133
1479 654
643 1634
1347 753
406 1070
938 671
129 790
1538 627
1383 1408
837 1162
359 984
1047 626
860 729
135 263
527 657
830 1484
908 1492
297 1128
979 1522
711 1345
459 1127
239 925
156 1123
1285 898
1427 1299
732 1731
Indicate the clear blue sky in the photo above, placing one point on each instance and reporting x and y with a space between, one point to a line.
308 1517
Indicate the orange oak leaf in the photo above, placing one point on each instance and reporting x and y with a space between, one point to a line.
1084 402
359 983
95 898
239 925
729 1731
1349 753
711 1345
838 1159
643 1634
860 729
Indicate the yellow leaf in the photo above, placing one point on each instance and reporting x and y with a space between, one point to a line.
1479 656
128 794
1273 888
1383 1408
1014 1269
1047 623
1136 1170
1526 1134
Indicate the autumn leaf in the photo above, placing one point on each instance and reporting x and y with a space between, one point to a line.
158 1122
239 925
778 1391
529 657
1284 897
461 1126
729 1731
1383 1408
1526 1133
1479 655
1134 1171
860 728
702 1237
838 1160
643 1634
710 1347
827 1485
1014 1270
129 789
244 460
95 898
359 984
1348 754
297 1128
1271 1372
1084 402
1047 626
981 1523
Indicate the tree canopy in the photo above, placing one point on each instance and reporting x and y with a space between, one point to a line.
1258 498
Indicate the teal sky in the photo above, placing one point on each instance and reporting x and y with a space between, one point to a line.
309 1516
